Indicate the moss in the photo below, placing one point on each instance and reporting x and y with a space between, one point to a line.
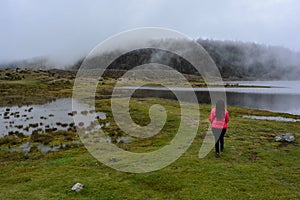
43 138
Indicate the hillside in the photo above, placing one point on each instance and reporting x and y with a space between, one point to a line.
253 61
236 60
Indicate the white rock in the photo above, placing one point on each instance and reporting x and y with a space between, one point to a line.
285 138
77 187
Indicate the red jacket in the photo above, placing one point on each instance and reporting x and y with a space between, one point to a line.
217 123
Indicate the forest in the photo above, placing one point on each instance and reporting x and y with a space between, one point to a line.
253 61
235 60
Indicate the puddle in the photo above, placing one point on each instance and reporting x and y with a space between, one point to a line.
278 118
46 148
27 146
56 115
106 139
123 139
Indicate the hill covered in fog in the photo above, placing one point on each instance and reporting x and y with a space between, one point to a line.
253 61
235 60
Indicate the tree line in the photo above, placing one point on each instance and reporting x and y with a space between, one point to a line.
234 59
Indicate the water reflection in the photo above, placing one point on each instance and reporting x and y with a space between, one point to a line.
28 147
53 116
271 118
275 96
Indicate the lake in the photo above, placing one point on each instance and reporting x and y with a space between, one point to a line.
52 116
275 96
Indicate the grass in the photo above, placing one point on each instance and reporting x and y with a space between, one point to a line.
33 87
253 165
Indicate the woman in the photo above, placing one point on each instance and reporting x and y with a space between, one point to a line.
219 118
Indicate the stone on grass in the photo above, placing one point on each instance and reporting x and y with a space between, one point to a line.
285 138
77 187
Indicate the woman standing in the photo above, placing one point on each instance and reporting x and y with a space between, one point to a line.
219 118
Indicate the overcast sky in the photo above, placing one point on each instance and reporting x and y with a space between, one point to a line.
69 29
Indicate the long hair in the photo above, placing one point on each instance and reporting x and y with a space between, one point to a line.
220 109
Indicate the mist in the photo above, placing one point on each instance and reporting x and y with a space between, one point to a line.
64 31
44 62
252 60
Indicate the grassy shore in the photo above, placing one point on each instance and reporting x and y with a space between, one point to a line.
253 165
21 87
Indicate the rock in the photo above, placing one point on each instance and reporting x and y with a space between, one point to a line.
70 114
19 126
77 187
285 138
64 125
34 125
74 112
84 112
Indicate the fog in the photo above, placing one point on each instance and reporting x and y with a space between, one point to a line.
63 31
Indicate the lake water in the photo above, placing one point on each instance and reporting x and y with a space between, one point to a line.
281 96
276 96
271 118
52 116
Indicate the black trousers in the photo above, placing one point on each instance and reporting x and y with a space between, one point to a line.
219 138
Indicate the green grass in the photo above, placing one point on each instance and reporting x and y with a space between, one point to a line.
32 87
252 166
